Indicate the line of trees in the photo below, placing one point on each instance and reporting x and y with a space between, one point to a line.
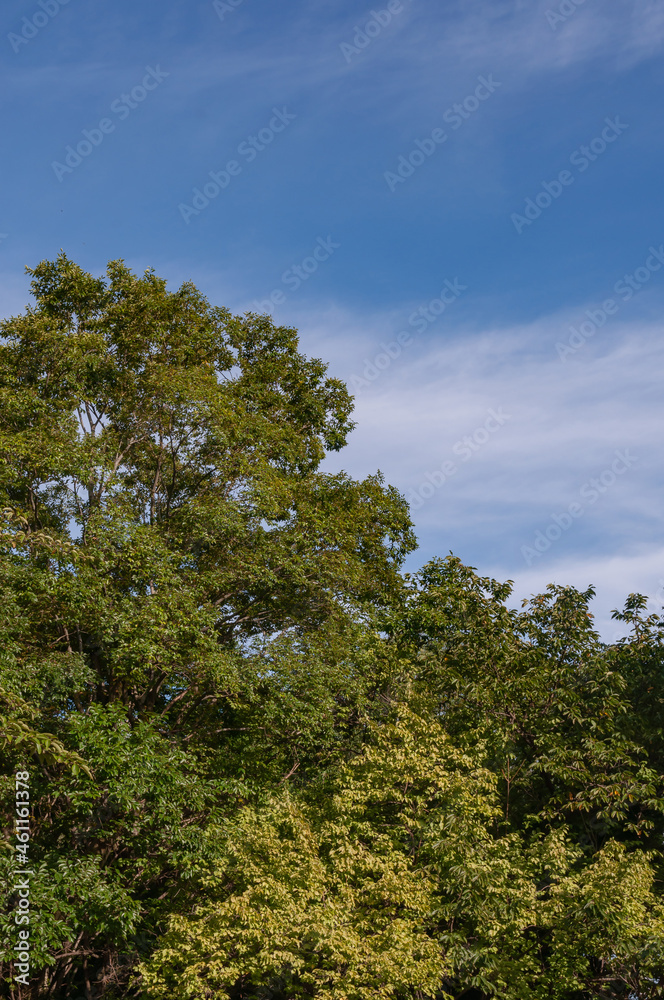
264 762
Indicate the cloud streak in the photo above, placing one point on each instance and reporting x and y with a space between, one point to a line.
564 427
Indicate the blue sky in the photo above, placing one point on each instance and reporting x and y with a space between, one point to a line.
475 186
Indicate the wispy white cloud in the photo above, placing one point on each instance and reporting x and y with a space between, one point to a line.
303 53
522 38
564 425
613 576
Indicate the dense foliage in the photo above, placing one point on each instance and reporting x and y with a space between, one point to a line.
263 762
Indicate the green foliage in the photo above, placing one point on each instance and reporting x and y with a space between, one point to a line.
262 762
392 879
551 700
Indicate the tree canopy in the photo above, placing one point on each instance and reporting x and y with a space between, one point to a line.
263 761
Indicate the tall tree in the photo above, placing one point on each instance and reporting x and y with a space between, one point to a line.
164 515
